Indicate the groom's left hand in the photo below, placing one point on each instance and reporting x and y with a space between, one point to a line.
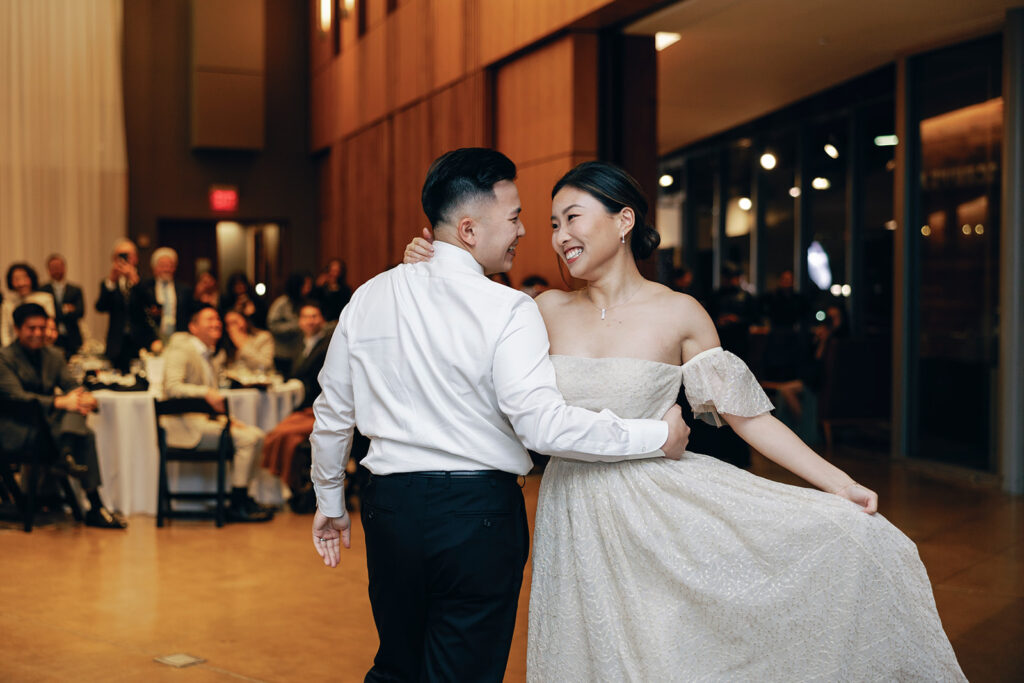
329 534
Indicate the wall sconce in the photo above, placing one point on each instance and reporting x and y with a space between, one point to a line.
326 18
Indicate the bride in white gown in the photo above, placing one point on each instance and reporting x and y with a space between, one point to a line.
695 570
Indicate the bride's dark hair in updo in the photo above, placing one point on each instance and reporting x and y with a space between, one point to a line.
615 189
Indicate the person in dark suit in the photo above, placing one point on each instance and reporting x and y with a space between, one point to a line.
161 306
279 447
69 305
115 299
29 370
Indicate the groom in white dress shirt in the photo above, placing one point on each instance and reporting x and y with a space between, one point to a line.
448 374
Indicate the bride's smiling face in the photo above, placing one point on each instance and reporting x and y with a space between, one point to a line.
583 233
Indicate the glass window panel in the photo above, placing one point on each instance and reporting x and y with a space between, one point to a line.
958 94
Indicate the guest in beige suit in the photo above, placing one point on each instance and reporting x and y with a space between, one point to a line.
190 370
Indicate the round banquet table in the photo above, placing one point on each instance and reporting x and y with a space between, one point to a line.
125 429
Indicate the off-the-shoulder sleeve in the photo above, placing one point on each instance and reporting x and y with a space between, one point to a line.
717 381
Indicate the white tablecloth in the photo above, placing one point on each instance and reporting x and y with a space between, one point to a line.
125 429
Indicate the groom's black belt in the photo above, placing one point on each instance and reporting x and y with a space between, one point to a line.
456 474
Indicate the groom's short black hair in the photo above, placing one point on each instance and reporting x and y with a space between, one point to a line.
462 174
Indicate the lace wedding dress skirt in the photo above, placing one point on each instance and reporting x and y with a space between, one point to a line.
695 570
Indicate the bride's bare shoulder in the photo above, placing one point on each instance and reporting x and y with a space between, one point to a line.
676 301
551 299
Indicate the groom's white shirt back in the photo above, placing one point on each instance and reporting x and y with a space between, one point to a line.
444 369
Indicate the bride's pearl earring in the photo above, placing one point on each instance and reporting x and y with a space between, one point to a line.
622 238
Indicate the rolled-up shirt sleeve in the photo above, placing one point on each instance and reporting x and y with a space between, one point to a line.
524 381
331 439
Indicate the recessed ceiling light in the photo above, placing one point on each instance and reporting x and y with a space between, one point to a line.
831 150
820 183
666 180
768 161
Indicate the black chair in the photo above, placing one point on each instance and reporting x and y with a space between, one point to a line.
222 455
40 457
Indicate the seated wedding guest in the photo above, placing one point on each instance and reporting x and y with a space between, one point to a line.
206 290
22 288
279 446
239 296
283 320
248 349
533 285
191 367
161 302
332 289
784 307
30 370
115 299
69 305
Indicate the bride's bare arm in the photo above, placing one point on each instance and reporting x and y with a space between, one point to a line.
776 442
764 432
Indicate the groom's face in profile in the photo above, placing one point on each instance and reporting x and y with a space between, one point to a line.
497 228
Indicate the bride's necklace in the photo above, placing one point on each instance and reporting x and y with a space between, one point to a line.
605 309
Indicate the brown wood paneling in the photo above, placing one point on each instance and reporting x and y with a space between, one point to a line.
538 18
411 58
412 154
461 115
228 34
321 48
535 101
366 202
372 72
448 21
492 30
323 107
376 11
228 110
347 86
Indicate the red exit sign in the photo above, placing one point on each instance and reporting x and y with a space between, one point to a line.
223 198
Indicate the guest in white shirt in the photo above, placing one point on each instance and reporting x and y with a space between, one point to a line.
448 374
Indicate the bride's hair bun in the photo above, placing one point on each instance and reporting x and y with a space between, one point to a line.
615 189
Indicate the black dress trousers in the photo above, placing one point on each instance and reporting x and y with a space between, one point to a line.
445 554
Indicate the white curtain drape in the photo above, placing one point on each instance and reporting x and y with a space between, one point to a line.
63 169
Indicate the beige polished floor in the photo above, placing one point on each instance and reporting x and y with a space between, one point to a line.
255 603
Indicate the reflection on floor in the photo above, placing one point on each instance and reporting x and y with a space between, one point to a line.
254 603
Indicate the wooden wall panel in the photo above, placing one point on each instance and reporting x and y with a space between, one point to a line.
461 115
323 107
412 154
321 48
347 86
544 108
376 12
366 202
538 18
410 72
448 21
372 76
492 30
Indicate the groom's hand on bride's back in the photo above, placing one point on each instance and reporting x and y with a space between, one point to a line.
678 434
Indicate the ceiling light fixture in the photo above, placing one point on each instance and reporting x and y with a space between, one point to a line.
820 183
666 180
794 192
768 161
831 150
886 141
663 39
745 203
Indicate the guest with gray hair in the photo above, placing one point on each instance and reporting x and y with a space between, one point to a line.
163 305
